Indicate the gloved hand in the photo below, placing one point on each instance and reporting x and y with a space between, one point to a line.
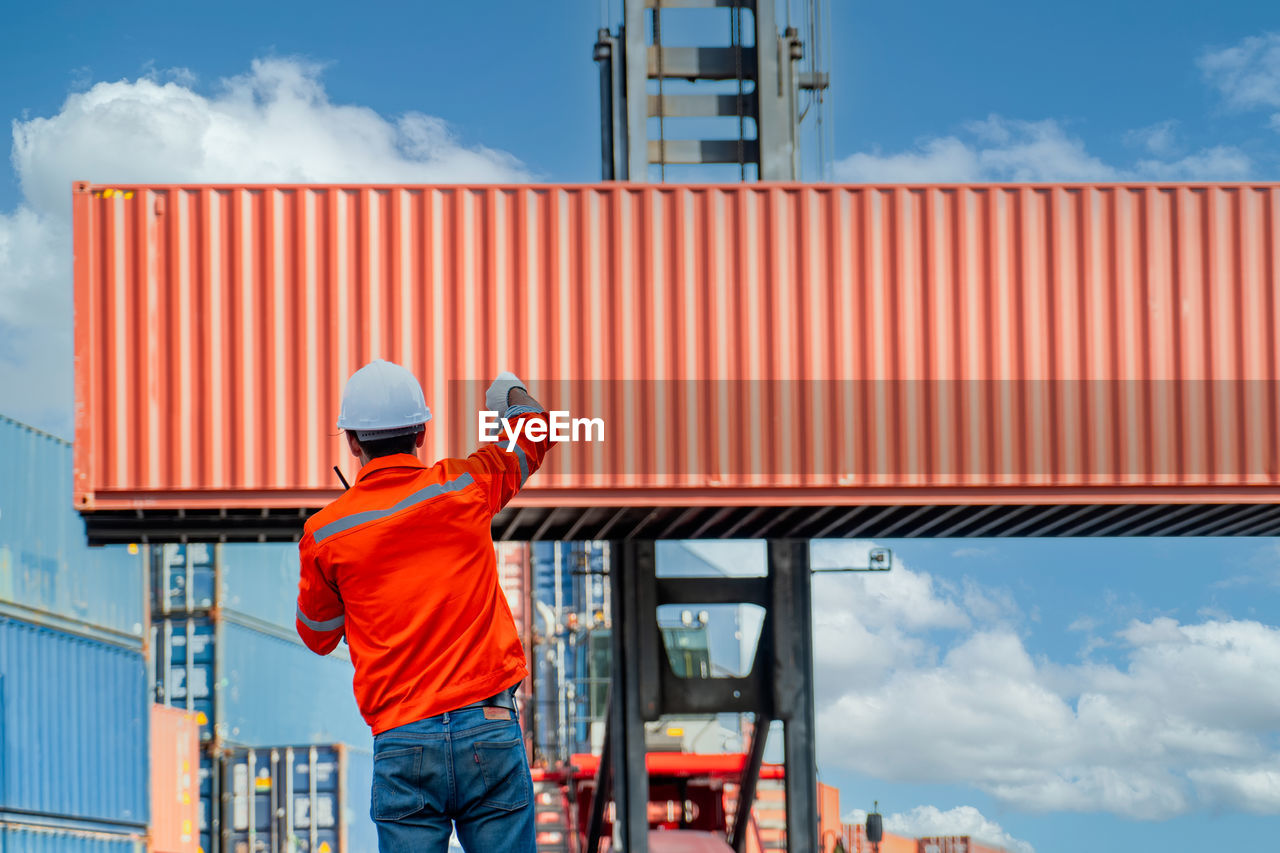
495 398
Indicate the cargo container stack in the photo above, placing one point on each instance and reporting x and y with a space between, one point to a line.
73 698
272 714
285 758
298 799
954 844
515 578
570 647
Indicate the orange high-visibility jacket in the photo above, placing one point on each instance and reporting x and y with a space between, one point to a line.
403 565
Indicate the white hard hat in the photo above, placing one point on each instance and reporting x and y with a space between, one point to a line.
383 400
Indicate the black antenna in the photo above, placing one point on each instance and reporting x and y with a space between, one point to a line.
338 471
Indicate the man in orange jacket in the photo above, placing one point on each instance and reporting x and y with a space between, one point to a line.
402 565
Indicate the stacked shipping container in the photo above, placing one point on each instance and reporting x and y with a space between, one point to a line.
224 648
73 703
515 577
569 647
309 799
175 763
954 844
246 674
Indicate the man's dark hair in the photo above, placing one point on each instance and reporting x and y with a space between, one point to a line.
389 446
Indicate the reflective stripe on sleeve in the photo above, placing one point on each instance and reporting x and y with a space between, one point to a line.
327 625
524 464
425 494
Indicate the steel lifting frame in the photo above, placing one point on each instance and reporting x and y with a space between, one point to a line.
644 687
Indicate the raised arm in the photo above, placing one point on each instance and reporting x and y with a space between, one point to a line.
505 466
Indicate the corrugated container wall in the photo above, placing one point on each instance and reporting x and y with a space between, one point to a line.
253 688
19 838
175 780
74 723
855 841
954 844
514 579
45 565
308 799
939 337
829 824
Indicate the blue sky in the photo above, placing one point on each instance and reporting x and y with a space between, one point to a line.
1050 694
1121 639
1068 601
520 79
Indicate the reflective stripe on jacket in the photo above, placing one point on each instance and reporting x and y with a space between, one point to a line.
403 566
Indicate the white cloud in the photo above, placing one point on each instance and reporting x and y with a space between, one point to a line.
1160 139
1247 74
1251 789
931 822
1221 162
272 124
1003 149
945 159
1183 720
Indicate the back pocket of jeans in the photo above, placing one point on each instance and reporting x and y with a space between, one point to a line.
506 777
397 790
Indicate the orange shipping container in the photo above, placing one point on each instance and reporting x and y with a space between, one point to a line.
855 841
829 825
175 770
514 577
1047 348
954 844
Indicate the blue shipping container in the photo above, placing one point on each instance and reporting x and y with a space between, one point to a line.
257 581
20 838
255 688
45 564
568 579
183 579
210 793
260 580
185 668
307 799
74 722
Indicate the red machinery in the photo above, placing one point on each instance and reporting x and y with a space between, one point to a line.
693 799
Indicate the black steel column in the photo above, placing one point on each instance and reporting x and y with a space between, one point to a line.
634 615
793 686
603 55
747 785
603 790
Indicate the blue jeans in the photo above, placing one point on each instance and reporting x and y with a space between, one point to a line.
457 768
